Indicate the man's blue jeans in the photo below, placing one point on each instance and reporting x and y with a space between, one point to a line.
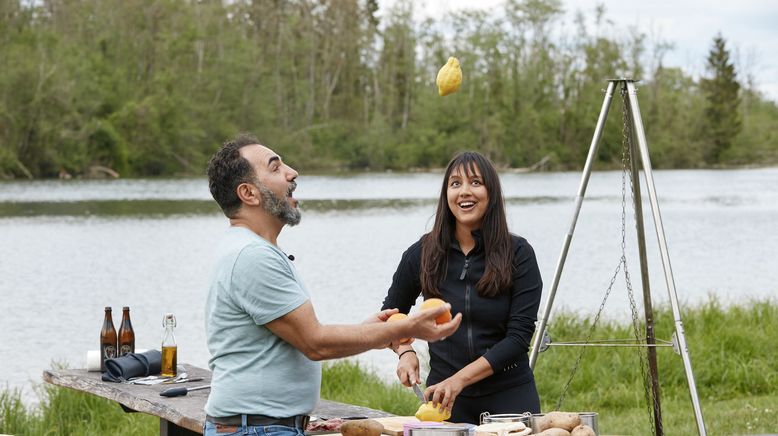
211 429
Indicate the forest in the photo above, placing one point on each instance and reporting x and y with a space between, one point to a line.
139 88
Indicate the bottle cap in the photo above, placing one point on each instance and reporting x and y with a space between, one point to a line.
169 319
126 308
107 307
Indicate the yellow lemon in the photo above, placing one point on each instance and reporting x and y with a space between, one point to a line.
428 412
449 77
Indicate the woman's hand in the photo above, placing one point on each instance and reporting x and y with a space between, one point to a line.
408 368
444 393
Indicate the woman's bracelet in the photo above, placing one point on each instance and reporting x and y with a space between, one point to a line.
406 351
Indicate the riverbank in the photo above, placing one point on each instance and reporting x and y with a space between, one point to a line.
542 166
730 348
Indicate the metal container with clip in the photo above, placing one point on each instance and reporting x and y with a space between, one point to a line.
443 430
487 418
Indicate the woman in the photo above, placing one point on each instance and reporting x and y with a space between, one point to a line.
491 276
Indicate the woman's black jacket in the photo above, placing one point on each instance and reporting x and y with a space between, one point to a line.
498 328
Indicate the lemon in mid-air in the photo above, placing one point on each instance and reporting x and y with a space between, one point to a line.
449 77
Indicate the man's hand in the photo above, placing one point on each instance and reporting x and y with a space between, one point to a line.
302 330
381 316
423 325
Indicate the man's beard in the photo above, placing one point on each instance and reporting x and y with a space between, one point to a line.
279 207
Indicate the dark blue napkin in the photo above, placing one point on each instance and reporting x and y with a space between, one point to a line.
130 365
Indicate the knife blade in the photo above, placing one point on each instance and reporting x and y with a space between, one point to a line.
419 393
182 380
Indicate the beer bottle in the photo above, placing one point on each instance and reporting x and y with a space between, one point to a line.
107 339
126 334
169 348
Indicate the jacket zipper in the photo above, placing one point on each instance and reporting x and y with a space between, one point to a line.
464 269
462 276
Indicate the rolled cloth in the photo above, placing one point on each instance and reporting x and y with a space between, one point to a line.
93 359
131 365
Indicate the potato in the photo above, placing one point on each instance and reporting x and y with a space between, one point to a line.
361 427
554 432
567 421
583 430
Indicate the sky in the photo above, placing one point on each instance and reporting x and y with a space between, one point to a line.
750 28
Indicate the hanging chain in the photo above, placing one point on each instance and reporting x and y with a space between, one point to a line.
637 326
588 339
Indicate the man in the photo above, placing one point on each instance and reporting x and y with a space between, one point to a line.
262 331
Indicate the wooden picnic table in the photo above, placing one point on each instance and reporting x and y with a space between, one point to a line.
178 416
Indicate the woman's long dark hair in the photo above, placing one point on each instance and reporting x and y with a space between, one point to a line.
494 228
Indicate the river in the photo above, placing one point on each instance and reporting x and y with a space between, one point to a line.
69 248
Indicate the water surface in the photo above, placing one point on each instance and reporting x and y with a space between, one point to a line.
69 248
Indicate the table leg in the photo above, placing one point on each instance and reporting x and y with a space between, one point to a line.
167 428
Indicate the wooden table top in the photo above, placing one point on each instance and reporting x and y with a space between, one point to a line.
185 411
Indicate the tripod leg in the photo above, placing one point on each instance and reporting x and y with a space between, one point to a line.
647 303
569 236
660 235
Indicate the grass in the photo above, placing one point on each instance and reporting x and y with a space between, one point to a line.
348 382
733 352
68 412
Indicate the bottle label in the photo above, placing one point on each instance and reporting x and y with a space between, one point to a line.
125 349
109 352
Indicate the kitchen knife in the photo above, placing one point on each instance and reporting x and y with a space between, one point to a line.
182 380
419 393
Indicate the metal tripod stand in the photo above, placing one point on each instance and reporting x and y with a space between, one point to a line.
630 93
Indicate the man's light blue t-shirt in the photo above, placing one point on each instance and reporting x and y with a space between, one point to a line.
255 371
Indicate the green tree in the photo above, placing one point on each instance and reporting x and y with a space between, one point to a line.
722 122
151 87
